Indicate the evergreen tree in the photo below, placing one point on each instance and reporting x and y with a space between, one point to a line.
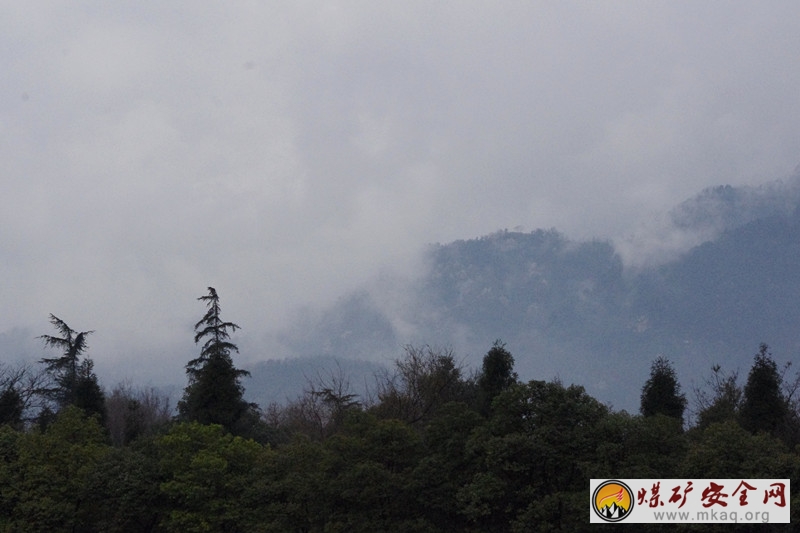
497 374
11 407
89 396
214 394
661 393
73 380
764 407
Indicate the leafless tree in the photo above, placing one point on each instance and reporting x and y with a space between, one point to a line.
26 382
318 412
424 379
719 400
132 413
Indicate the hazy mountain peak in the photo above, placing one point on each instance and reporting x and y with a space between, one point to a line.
715 277
704 217
717 209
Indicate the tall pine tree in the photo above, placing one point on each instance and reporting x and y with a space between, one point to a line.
73 381
214 394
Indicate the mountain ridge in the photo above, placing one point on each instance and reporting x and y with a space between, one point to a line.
572 309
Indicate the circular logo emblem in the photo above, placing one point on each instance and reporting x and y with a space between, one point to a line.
612 500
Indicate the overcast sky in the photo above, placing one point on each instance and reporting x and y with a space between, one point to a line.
285 152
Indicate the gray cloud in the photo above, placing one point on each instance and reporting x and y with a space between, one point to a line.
287 153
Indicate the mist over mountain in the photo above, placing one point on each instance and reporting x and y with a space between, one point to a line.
704 284
581 312
702 218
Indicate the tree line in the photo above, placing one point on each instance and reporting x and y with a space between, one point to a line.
431 448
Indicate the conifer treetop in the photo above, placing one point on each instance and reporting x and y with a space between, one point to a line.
211 325
215 331
71 342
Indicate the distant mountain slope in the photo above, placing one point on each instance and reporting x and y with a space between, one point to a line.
705 217
743 287
571 310
722 208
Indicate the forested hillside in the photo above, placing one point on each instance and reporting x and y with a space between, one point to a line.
575 310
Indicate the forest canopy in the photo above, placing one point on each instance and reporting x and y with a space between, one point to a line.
432 447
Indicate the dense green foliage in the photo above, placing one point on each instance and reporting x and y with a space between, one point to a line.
11 406
661 394
435 450
497 374
763 405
